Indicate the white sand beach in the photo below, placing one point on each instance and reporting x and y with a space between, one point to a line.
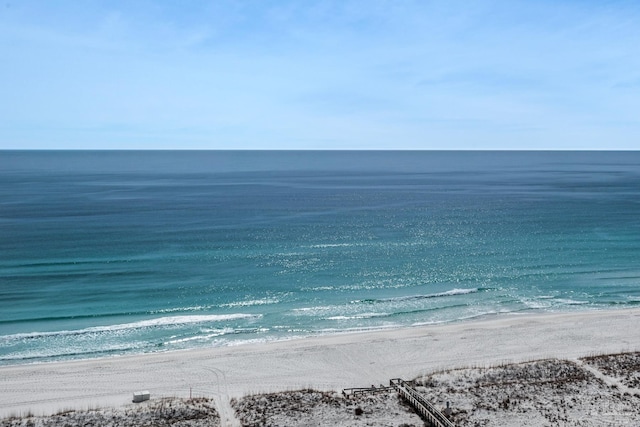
328 363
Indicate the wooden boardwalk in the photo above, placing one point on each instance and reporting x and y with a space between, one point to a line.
354 391
421 405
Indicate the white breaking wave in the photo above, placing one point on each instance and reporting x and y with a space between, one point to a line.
457 292
149 323
334 245
205 337
314 309
568 301
358 316
177 309
449 293
250 303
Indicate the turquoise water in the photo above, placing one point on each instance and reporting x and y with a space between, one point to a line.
114 252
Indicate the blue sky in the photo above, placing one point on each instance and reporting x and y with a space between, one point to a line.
310 74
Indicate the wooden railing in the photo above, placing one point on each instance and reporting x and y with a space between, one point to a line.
421 405
354 391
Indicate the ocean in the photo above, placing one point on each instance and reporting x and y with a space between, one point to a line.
124 252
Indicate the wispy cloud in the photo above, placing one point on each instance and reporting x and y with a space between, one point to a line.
320 74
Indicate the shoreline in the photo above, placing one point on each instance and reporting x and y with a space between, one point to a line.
484 317
329 362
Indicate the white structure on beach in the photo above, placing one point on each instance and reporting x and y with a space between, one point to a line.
141 396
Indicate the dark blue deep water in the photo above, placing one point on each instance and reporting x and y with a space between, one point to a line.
115 252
